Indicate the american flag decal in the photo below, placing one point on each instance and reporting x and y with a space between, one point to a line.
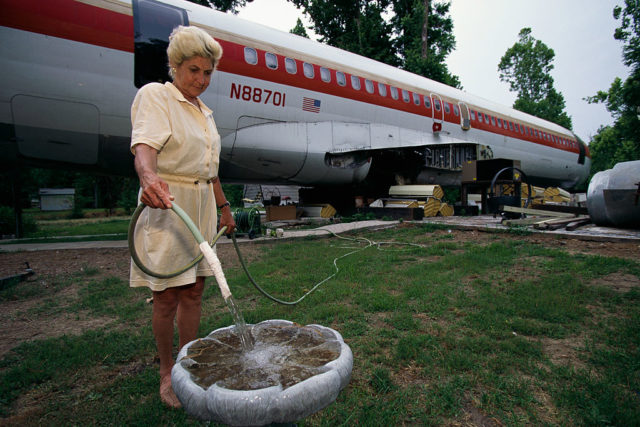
310 104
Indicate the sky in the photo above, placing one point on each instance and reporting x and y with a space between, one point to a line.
587 57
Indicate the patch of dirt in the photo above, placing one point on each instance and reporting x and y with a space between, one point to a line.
627 250
475 417
564 351
17 317
618 282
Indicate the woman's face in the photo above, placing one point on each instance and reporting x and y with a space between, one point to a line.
193 76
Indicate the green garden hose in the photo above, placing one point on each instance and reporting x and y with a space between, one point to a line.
215 263
190 225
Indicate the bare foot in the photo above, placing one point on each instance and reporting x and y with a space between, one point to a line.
167 395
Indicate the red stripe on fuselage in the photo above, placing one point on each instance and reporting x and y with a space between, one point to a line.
71 20
80 22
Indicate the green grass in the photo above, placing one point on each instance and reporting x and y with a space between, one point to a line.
74 230
436 332
77 228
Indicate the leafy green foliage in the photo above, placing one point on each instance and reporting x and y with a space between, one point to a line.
299 29
621 141
424 47
356 26
526 66
360 27
223 5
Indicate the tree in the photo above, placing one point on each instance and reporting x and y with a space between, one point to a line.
424 38
621 141
526 66
418 37
223 5
299 29
353 25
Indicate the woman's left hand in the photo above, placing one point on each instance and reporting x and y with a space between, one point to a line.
226 218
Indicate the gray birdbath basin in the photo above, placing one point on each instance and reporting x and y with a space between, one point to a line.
292 372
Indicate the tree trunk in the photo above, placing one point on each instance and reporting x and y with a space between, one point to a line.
425 29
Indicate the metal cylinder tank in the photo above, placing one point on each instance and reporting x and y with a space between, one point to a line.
612 197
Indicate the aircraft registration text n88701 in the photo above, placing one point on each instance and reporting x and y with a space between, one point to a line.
258 95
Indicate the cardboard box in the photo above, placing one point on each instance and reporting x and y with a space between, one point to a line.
485 170
275 213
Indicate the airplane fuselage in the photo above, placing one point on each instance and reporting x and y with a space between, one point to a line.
289 110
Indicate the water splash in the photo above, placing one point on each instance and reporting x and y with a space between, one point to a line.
282 355
244 333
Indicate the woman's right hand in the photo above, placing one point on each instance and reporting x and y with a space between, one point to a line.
155 192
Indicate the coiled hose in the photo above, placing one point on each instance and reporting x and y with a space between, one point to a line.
196 233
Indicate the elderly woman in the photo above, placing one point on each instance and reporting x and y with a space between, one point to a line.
177 148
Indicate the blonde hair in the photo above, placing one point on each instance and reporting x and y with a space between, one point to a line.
187 42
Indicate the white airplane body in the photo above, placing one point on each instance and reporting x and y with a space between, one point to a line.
288 109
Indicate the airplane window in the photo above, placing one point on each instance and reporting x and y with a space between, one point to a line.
355 82
511 125
368 85
325 74
499 122
340 77
493 121
405 95
308 70
447 109
436 104
456 110
416 99
394 92
427 102
290 65
250 55
382 89
271 60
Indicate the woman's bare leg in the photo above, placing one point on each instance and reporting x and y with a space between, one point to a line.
189 310
165 305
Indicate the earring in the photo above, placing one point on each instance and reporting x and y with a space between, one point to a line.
173 70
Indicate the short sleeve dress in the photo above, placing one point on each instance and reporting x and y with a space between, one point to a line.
188 147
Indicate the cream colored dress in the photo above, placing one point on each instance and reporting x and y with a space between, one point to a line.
188 147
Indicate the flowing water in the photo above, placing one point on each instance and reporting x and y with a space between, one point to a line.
283 354
244 333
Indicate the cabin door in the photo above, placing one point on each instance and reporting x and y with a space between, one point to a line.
438 113
153 22
465 120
